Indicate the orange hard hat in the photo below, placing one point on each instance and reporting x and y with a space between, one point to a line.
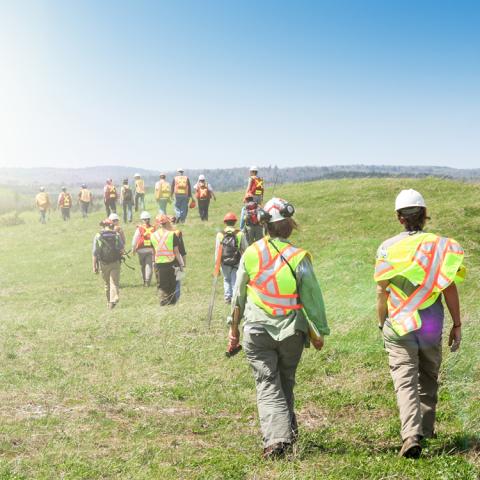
162 219
230 216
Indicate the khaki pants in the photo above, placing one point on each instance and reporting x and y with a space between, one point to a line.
414 361
274 365
111 277
145 257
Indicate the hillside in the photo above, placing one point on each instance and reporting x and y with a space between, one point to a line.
145 392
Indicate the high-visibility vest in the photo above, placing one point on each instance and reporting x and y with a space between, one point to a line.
85 195
162 241
66 200
111 192
273 287
181 185
140 185
43 200
202 191
162 189
145 239
418 268
256 186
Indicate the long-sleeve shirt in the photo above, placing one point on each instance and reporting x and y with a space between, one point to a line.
95 244
283 326
220 235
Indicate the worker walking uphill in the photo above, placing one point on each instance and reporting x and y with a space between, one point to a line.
110 197
162 194
107 252
249 221
183 254
279 296
142 245
255 186
183 192
203 194
64 202
85 199
126 199
117 227
229 247
413 270
42 202
167 260
139 192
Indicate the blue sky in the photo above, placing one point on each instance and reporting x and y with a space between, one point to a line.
207 83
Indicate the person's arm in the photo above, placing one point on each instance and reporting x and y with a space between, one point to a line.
212 193
240 289
179 258
242 218
453 304
172 188
382 308
189 189
59 200
136 237
217 247
94 255
243 243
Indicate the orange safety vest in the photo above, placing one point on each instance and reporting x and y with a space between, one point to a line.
146 233
202 191
85 195
66 200
256 186
111 192
181 185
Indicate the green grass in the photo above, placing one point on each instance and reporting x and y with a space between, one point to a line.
145 392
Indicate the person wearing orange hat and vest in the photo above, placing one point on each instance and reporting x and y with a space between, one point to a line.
162 194
139 192
249 222
110 197
85 199
42 201
255 186
203 194
142 245
413 271
280 299
64 202
126 199
183 192
229 247
167 260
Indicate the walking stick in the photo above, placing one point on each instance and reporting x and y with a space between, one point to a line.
216 272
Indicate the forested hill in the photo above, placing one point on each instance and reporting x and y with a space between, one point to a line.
224 179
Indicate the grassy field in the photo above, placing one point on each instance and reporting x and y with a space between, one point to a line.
145 392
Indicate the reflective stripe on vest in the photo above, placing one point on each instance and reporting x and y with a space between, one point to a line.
111 191
145 239
85 195
202 191
164 252
181 184
273 287
140 186
428 264
256 188
66 200
163 190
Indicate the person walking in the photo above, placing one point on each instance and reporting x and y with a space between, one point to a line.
117 227
278 294
229 247
106 255
183 192
162 194
183 254
64 202
413 270
142 245
255 186
139 193
203 194
167 260
126 199
249 222
110 197
42 202
85 200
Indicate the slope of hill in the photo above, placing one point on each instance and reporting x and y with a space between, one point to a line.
145 392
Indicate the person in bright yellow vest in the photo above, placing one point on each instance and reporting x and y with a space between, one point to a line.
42 201
279 297
139 192
413 271
85 199
183 192
167 259
162 194
142 245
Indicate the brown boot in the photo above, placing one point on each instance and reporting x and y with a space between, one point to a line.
277 450
411 448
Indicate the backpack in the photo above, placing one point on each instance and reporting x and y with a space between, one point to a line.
108 247
230 253
251 213
127 195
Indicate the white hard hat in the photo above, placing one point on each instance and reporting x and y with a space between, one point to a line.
253 168
409 198
201 177
42 189
137 175
113 216
144 216
278 209
180 170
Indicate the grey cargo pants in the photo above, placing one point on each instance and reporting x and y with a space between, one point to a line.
274 365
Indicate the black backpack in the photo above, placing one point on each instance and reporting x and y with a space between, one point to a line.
230 253
108 247
127 195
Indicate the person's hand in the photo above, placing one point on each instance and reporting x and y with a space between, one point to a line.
317 343
455 338
95 270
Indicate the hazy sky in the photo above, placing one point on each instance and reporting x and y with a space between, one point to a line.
159 84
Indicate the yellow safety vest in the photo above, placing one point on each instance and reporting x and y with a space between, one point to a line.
181 185
140 185
43 200
418 268
272 286
85 195
162 190
66 200
162 241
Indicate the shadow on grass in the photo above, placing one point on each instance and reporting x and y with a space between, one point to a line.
461 443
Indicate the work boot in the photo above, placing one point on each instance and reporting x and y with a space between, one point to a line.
228 300
277 450
411 448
